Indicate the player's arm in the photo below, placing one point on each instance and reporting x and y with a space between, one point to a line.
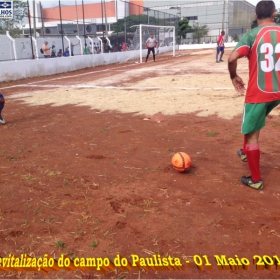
237 82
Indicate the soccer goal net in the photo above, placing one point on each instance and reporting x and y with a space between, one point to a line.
165 36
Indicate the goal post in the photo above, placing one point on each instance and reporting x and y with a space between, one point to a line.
162 37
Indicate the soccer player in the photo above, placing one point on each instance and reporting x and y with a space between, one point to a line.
151 44
262 47
220 47
2 103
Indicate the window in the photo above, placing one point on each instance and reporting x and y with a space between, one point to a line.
192 18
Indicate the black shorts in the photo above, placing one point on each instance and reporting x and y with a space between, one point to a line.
151 50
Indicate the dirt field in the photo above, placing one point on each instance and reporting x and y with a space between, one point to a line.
86 169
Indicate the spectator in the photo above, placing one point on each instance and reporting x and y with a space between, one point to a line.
90 48
53 51
86 49
59 54
72 47
119 47
107 48
124 47
115 49
66 52
46 50
94 48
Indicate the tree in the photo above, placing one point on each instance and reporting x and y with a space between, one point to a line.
254 24
276 20
13 25
235 38
183 28
199 31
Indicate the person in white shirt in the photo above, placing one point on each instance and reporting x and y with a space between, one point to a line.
151 44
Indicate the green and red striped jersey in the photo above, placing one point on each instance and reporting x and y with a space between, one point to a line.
262 47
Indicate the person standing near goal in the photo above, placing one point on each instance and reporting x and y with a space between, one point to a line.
220 47
151 44
262 47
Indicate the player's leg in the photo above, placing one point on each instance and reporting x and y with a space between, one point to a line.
149 50
154 55
242 152
217 54
222 53
253 121
2 104
269 107
253 158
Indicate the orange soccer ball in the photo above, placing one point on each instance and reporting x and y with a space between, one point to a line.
181 162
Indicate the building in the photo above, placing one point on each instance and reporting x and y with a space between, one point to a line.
97 18
232 16
89 18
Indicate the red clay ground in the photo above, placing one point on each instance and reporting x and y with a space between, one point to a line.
102 184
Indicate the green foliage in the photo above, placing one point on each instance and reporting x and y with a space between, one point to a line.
199 31
254 24
235 38
13 25
183 28
277 18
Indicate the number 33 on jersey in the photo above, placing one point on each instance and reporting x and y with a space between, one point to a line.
262 47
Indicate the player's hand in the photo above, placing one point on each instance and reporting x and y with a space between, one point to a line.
238 84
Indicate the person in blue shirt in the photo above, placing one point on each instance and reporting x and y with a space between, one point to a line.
2 103
66 52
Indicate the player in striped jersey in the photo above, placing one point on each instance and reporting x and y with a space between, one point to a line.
220 47
262 47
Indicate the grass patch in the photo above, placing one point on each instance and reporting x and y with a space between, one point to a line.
212 134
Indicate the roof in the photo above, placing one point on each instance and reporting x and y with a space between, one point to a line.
91 11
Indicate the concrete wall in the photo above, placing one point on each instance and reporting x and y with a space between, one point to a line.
205 46
6 48
22 69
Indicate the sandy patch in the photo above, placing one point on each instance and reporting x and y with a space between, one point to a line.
180 86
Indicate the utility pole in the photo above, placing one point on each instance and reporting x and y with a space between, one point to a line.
78 30
30 33
102 18
42 19
34 19
224 11
61 28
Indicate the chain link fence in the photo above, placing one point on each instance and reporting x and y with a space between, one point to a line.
93 27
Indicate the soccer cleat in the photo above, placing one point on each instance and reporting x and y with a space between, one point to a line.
217 61
241 155
221 60
248 181
2 120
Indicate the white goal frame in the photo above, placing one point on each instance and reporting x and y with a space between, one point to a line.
154 26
